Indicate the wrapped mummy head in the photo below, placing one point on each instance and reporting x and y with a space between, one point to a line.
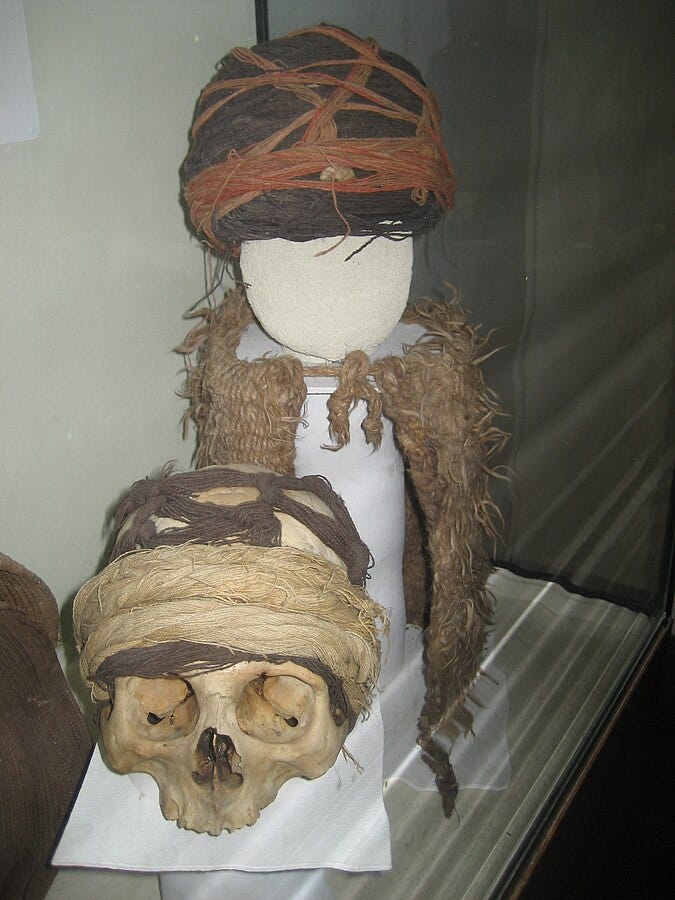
229 642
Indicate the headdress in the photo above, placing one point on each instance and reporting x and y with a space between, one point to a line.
314 134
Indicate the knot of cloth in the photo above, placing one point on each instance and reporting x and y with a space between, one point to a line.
355 383
315 134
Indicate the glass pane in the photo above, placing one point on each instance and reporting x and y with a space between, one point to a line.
554 117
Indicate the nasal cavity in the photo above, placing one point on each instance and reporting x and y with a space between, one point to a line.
216 759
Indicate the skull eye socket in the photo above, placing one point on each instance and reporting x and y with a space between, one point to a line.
164 708
276 708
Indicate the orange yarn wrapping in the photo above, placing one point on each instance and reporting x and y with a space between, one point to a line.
338 165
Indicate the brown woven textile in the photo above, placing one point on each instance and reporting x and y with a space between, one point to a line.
30 595
314 134
443 419
174 496
44 742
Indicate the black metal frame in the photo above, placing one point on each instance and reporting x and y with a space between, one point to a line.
262 21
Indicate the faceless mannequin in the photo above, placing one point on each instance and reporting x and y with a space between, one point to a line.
318 303
319 308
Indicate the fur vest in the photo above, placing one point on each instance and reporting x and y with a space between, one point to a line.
443 420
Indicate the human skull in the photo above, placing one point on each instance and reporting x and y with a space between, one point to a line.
220 744
272 645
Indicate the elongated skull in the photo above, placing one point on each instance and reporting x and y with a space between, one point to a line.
223 669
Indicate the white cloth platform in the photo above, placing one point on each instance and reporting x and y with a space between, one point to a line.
564 657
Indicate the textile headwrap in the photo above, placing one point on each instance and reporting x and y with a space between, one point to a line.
314 134
194 585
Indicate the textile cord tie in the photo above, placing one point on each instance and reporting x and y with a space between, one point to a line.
354 384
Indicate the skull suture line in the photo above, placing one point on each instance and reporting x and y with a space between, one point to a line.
224 671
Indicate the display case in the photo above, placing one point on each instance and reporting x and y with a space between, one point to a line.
559 245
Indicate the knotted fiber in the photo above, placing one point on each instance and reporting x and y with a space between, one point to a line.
275 601
315 134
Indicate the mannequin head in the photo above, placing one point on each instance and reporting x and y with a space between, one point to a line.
321 305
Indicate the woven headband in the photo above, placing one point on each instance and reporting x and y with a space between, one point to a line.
274 602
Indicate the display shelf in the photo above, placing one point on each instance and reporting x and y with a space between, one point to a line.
566 659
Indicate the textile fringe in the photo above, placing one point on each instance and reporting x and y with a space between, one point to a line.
252 409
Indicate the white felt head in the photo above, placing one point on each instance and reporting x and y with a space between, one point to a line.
322 307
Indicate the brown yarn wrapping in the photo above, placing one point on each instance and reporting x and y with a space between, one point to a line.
443 419
176 497
185 658
314 134
44 742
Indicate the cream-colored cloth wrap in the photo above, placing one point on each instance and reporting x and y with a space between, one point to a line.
265 600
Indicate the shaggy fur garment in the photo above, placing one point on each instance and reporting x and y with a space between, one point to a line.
443 418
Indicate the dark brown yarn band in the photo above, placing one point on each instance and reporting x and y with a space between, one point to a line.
179 658
172 496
